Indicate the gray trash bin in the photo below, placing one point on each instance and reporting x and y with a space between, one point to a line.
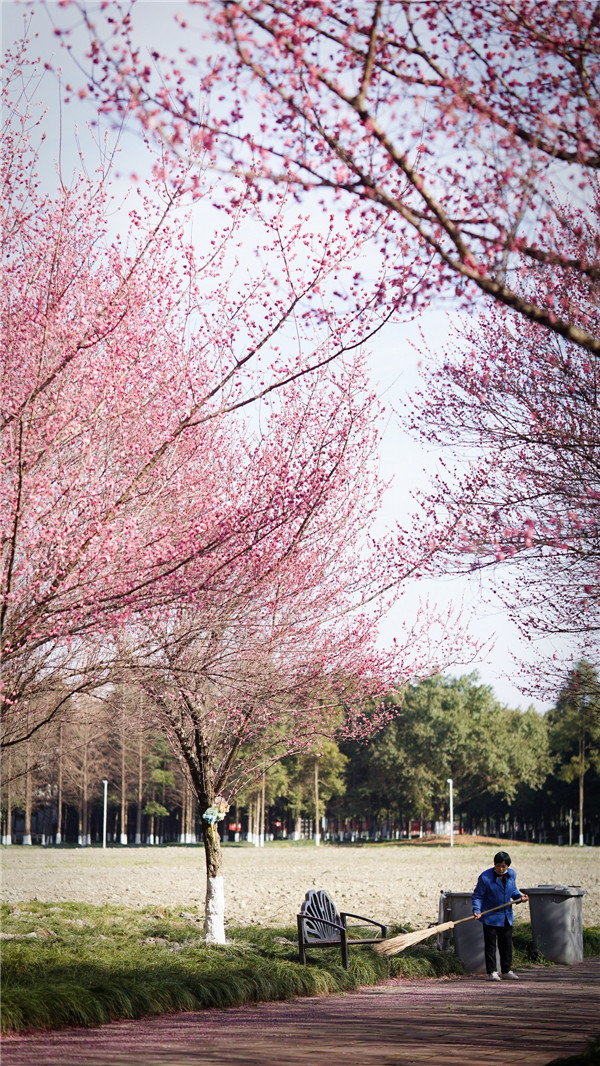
468 937
556 921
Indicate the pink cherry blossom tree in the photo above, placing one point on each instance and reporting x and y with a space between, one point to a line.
126 365
519 408
466 133
269 657
280 649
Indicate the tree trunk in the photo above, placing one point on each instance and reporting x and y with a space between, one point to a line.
84 836
28 797
581 776
59 790
138 820
251 821
183 831
190 828
262 826
123 784
258 822
193 830
46 823
214 916
193 836
8 834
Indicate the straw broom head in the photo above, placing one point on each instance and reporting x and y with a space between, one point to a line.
396 944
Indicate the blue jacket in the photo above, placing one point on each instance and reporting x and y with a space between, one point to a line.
490 892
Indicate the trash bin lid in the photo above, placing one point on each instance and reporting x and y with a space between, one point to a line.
555 890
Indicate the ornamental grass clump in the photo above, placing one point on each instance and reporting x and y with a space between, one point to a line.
76 964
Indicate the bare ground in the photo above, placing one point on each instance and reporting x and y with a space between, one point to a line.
395 883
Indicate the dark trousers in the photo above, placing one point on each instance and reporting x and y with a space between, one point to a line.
501 935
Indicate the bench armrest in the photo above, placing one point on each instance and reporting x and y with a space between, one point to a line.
361 918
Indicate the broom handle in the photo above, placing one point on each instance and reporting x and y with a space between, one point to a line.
500 907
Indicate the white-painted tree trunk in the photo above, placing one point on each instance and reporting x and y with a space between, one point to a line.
214 920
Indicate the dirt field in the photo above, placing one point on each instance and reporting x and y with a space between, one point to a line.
395 883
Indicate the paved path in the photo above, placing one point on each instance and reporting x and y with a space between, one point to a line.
457 1021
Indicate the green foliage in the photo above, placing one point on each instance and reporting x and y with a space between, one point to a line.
300 769
87 965
574 724
425 961
524 953
163 778
155 808
290 783
591 942
276 784
448 728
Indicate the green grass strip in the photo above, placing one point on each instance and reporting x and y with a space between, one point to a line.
73 964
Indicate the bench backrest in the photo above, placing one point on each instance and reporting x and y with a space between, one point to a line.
317 906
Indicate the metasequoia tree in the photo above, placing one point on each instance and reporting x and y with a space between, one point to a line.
520 408
87 746
574 727
124 362
122 757
468 131
257 797
313 780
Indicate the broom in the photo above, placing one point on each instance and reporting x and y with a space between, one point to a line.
396 944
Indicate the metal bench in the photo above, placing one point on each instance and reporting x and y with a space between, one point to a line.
320 926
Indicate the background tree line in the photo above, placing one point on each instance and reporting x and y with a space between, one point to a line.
515 774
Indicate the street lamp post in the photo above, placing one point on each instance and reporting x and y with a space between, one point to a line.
451 813
317 824
105 783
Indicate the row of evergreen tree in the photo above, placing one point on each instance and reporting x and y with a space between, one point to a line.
514 774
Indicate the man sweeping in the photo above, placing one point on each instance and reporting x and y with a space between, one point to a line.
496 887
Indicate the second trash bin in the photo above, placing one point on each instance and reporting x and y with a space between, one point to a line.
468 938
557 922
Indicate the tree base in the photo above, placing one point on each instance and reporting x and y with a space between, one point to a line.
214 920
